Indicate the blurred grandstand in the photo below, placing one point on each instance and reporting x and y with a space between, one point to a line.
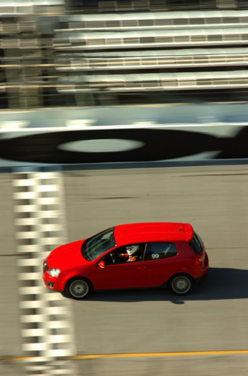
59 53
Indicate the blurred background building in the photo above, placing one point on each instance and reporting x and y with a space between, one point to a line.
59 53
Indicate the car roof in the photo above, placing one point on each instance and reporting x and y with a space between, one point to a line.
153 231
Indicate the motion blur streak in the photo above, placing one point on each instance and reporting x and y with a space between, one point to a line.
142 355
45 318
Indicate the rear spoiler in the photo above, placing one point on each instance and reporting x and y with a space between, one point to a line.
188 229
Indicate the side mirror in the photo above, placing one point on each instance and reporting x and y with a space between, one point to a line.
101 264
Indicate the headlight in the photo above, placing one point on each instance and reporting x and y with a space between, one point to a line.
54 272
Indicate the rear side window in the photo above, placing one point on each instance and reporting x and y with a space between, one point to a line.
160 250
196 244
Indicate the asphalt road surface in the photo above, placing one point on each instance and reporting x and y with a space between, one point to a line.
213 317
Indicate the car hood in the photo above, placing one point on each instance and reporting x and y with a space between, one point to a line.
67 256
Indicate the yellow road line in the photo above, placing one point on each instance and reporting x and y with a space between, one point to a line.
15 359
133 355
139 355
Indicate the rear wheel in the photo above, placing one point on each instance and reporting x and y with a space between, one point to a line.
181 284
78 288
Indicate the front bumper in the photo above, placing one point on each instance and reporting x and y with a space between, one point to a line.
52 283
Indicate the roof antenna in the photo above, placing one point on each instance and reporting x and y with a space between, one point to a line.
191 220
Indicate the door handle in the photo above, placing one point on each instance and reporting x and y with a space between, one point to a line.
141 267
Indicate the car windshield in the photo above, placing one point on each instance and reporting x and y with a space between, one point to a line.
98 244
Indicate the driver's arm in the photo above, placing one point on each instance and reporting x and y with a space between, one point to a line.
123 255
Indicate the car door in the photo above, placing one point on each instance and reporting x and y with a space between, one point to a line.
118 273
160 261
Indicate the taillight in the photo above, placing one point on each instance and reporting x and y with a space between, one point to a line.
198 261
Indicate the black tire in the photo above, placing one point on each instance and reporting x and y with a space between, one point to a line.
78 288
181 284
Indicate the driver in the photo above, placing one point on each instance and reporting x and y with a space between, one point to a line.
131 253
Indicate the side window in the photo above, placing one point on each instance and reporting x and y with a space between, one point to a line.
125 254
160 250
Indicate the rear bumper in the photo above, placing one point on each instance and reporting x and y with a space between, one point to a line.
201 278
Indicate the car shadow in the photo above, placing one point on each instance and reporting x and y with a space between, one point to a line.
221 283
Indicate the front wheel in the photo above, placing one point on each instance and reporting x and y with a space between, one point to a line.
181 284
78 288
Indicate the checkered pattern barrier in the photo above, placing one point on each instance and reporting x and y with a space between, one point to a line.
46 319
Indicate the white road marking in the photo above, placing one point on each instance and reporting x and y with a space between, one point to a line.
101 145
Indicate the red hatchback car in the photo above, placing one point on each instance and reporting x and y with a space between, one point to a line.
139 255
